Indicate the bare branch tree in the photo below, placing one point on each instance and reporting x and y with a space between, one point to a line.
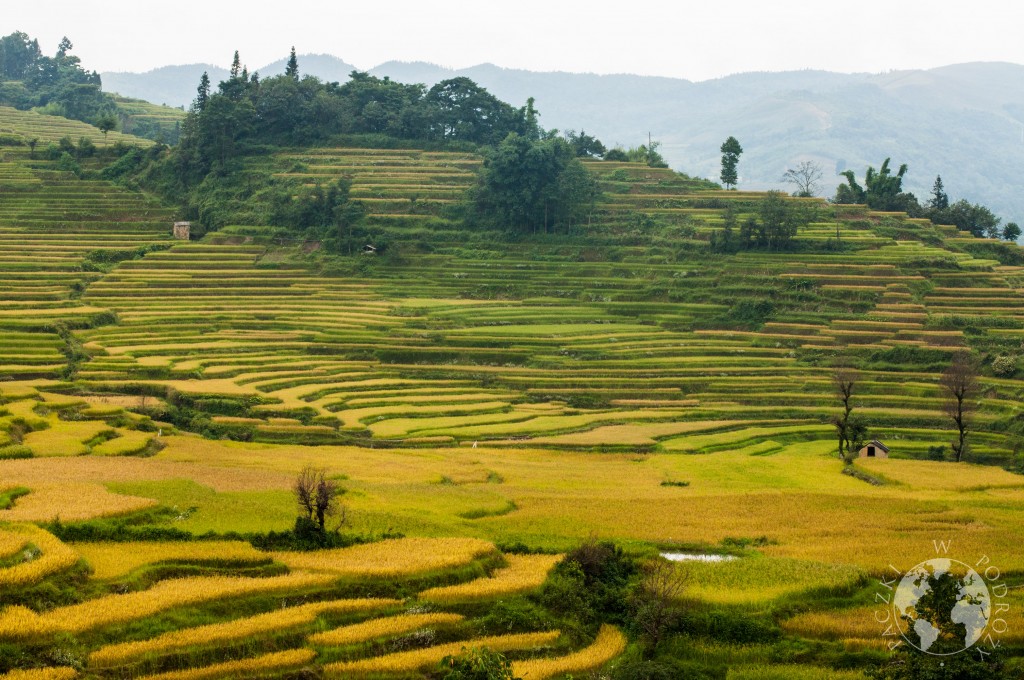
317 496
305 491
848 429
806 177
656 602
960 382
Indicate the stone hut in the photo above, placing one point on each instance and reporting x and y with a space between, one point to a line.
182 230
874 449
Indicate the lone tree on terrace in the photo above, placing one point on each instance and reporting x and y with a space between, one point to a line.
850 429
960 381
731 151
106 123
655 602
317 497
806 177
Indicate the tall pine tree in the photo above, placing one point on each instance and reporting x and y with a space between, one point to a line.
939 200
202 93
292 69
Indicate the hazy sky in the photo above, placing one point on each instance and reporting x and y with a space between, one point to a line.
693 40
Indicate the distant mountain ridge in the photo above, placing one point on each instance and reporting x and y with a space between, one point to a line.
965 121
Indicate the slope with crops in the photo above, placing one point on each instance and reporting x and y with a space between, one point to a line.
471 388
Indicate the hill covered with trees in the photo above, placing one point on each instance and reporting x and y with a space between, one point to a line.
60 86
962 121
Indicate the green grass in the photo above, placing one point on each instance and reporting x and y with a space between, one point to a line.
202 509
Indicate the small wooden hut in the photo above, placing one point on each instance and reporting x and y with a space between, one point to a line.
874 449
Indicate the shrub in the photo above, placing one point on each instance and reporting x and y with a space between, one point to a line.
592 582
911 665
662 669
1004 366
723 625
67 163
477 663
750 312
516 615
15 451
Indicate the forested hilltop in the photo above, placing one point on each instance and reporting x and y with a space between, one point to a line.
226 168
961 121
60 86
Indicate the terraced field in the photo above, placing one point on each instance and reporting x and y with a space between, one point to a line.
470 350
55 229
140 117
473 393
309 613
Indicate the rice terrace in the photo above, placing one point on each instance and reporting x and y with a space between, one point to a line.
375 415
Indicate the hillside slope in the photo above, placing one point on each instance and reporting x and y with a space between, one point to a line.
963 122
481 394
460 335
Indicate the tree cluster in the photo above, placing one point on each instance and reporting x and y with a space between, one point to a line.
58 84
883 190
530 184
772 226
246 110
585 146
647 154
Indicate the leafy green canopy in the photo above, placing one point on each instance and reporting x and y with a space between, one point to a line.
731 151
58 84
246 111
883 190
534 185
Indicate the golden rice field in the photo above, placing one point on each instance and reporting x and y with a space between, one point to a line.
55 556
54 673
790 672
523 574
404 662
753 581
609 643
110 560
866 624
253 667
396 557
794 497
240 629
11 541
383 627
19 622
71 501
